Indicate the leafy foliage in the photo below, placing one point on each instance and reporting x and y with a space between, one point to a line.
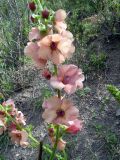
114 91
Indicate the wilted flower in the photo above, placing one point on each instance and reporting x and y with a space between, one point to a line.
19 138
2 127
60 17
74 126
69 78
47 74
20 119
59 111
56 48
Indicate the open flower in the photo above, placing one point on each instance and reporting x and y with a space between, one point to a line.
19 138
2 127
74 126
60 17
69 78
56 48
59 111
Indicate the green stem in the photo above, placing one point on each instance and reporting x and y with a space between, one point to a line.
55 69
65 155
55 145
59 93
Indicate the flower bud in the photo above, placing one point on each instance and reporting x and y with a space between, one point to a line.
47 74
45 14
32 19
51 132
32 6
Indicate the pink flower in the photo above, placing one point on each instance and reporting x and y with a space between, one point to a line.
20 119
19 138
32 50
11 104
60 17
69 78
59 111
74 126
2 127
56 48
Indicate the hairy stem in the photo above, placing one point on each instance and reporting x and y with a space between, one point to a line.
55 145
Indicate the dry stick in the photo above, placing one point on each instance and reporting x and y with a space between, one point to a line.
40 150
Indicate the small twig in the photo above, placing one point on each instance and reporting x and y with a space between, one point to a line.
40 150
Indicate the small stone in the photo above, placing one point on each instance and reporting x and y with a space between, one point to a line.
118 112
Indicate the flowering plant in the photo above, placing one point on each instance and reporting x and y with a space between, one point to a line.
50 44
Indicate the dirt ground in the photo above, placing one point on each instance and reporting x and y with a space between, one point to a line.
97 110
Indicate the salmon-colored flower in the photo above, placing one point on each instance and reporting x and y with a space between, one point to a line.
56 48
59 111
60 17
69 78
2 127
19 138
74 126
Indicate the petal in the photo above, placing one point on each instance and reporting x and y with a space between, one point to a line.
67 34
49 115
60 15
40 63
69 89
72 113
46 41
66 104
44 52
57 57
34 34
52 103
60 26
31 49
56 37
64 46
56 84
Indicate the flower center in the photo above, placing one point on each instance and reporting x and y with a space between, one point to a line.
53 46
60 113
19 136
66 80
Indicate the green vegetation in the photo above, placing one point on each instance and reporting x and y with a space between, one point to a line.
115 92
